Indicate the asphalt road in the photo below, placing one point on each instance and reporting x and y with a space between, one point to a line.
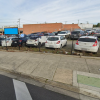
11 89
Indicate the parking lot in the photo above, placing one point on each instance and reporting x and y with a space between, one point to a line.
64 50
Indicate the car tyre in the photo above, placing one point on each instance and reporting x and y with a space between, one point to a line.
39 44
61 46
66 44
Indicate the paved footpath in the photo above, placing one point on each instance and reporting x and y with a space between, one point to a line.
76 76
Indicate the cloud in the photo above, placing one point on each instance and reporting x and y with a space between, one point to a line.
33 11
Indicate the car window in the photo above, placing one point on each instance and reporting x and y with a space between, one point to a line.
87 40
62 32
7 39
53 38
75 32
62 38
33 38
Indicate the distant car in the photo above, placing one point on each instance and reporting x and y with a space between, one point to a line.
56 42
56 33
49 34
94 30
65 33
76 34
89 31
1 39
97 33
11 41
87 43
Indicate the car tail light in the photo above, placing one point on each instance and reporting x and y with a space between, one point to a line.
46 42
36 40
58 42
20 40
77 43
95 44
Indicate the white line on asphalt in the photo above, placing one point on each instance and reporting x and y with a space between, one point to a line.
21 91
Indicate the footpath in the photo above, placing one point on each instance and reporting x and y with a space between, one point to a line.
76 76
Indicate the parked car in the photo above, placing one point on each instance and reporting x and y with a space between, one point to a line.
11 41
56 42
49 34
87 43
56 33
76 34
36 40
97 33
89 31
65 33
1 39
22 41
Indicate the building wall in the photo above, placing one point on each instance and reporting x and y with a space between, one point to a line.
49 27
32 28
70 27
86 26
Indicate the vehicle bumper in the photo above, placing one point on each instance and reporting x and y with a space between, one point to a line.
31 45
52 46
90 49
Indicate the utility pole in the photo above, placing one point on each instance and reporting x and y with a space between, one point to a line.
78 21
19 25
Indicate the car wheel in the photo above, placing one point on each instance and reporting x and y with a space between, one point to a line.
61 46
66 44
23 44
39 44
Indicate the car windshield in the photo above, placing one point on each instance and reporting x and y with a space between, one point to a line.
76 32
87 40
53 38
2 38
62 32
88 30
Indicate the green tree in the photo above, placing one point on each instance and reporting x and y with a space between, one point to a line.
98 25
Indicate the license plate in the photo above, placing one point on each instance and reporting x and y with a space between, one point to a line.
84 49
15 42
50 46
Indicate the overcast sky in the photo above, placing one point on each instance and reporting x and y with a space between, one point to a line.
50 11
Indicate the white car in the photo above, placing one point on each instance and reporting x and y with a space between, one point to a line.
87 43
9 41
56 42
65 33
36 41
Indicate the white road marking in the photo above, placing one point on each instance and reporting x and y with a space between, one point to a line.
21 91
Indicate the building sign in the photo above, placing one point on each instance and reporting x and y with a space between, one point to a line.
11 30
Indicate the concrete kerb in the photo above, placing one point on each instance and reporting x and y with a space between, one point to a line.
76 56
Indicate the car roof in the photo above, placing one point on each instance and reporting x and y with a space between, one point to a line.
93 37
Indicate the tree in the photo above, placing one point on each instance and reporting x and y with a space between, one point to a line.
98 25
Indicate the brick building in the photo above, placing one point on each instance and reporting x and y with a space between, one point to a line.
48 27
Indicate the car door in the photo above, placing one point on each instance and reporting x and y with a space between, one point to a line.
62 40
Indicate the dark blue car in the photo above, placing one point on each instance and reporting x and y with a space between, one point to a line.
22 41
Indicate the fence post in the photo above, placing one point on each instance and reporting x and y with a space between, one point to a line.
72 45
